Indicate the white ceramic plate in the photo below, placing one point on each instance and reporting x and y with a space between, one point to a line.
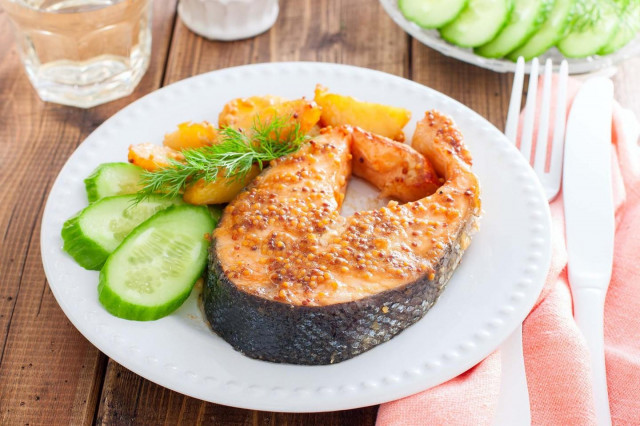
432 39
495 286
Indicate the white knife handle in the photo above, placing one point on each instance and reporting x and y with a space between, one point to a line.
513 403
588 310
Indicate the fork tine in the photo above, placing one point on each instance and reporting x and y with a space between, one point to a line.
511 127
543 128
530 111
555 168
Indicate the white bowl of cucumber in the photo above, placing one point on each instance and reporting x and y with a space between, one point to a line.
590 34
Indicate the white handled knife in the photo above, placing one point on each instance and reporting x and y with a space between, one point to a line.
589 221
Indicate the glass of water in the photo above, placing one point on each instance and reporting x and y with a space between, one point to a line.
82 52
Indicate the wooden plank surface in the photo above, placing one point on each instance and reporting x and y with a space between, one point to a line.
484 91
50 374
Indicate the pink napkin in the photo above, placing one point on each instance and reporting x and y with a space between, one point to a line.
556 357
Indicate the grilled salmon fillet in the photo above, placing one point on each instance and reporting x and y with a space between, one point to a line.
396 169
291 280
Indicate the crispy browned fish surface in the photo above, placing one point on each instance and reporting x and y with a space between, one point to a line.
290 280
396 169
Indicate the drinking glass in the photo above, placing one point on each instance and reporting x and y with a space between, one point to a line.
82 52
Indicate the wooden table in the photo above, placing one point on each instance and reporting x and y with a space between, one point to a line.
49 373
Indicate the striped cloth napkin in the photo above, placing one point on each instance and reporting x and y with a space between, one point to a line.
556 357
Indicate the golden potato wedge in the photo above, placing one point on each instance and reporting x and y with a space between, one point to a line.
191 135
305 113
152 157
242 113
380 119
222 190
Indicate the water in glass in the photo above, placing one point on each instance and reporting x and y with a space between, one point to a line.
82 52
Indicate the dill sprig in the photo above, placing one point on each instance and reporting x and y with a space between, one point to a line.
233 157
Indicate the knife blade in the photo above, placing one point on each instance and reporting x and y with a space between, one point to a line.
589 221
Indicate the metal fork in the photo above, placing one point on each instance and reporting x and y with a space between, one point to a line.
513 404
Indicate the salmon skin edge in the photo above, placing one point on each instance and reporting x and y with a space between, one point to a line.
319 335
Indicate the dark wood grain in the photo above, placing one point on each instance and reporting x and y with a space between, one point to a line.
129 399
355 32
484 91
49 373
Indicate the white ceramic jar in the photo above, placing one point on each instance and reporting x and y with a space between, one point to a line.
228 19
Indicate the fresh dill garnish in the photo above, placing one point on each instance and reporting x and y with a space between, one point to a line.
233 157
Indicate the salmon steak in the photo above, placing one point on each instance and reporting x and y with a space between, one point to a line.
290 280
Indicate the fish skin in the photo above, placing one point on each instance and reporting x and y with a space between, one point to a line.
318 335
281 332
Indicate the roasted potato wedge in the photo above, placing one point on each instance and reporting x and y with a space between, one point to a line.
152 157
243 112
380 119
222 190
240 113
191 135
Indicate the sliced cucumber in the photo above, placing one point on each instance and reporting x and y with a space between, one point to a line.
431 13
553 29
154 269
591 29
478 22
628 27
526 19
113 179
91 235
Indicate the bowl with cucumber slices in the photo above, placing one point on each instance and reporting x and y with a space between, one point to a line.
591 34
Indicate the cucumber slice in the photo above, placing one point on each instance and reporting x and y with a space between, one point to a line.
154 269
591 29
431 13
553 29
478 22
91 235
113 179
628 27
527 17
